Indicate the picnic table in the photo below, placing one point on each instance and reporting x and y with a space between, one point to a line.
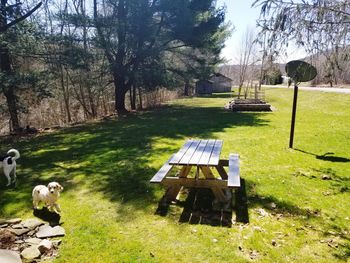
204 156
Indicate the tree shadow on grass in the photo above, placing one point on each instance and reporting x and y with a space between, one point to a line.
198 207
329 156
241 203
339 184
112 157
343 253
275 206
220 95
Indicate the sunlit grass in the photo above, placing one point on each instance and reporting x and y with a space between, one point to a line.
109 206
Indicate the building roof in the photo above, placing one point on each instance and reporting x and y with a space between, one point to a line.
205 80
220 75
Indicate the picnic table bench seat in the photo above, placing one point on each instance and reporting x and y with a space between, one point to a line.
232 180
162 173
233 171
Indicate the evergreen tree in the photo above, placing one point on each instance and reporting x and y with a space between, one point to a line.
11 14
140 33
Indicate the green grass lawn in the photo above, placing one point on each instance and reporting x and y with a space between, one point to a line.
109 206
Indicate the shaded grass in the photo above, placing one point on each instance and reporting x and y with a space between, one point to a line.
108 204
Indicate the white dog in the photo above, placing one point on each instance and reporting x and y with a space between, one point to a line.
47 195
8 163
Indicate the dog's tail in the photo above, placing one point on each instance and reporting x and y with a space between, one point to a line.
17 155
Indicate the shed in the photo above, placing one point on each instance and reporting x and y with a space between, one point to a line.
204 87
221 83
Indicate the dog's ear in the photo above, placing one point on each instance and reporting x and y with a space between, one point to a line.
60 187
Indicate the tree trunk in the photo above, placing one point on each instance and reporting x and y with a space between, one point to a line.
65 96
239 91
132 98
186 91
120 102
104 105
93 106
6 68
12 107
140 98
133 105
120 90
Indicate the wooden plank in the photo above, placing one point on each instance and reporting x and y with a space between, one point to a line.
195 183
177 157
185 170
215 155
189 153
206 153
174 190
207 172
163 171
217 191
198 153
223 162
233 171
221 171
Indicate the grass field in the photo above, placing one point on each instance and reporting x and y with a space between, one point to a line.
109 206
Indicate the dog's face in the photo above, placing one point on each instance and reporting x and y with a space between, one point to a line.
54 187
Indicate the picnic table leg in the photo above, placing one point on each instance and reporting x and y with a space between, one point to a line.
221 172
216 190
173 191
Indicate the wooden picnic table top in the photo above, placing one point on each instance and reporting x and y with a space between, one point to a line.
198 152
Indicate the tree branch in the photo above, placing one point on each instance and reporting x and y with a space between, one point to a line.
16 21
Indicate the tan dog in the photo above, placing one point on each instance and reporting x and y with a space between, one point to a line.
47 195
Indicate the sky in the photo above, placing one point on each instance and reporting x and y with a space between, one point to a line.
242 15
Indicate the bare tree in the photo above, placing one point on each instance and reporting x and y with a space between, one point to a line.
247 57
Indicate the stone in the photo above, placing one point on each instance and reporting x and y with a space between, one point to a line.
272 205
56 243
262 212
31 233
6 237
45 245
253 254
258 228
13 221
31 253
19 232
32 223
326 177
48 231
8 256
3 225
17 226
33 241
